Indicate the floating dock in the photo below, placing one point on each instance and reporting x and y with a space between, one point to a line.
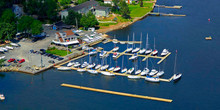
126 42
117 93
163 6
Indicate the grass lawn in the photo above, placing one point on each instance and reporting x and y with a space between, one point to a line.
58 52
137 11
107 24
2 61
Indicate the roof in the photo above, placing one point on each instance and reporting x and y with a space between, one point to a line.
69 32
83 5
61 24
101 8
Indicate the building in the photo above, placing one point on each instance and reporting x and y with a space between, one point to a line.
81 8
65 38
102 11
108 2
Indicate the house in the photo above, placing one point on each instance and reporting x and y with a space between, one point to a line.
102 11
108 2
81 8
65 38
18 11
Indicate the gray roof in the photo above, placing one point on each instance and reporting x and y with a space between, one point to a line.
83 5
101 8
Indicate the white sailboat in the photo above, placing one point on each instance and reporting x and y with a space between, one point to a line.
102 53
153 72
130 70
85 64
177 76
92 71
93 52
77 64
111 68
129 49
70 64
117 69
160 73
155 52
134 77
148 50
123 69
98 66
135 49
133 57
64 68
104 67
164 52
152 79
81 70
142 51
107 73
91 66
115 55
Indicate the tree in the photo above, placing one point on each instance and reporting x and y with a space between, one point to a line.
124 9
7 31
51 9
141 3
72 17
88 20
36 27
115 2
24 23
8 16
81 1
64 2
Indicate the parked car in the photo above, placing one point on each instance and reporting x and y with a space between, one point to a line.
31 51
11 60
60 58
42 50
21 61
51 61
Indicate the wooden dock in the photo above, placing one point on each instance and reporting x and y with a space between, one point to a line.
126 42
116 93
164 6
164 14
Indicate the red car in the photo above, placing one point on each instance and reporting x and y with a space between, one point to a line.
11 60
21 61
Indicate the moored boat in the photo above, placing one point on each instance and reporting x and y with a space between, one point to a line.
104 67
133 57
164 52
142 51
85 64
2 97
107 73
98 66
124 70
115 49
111 68
134 76
9 47
115 55
129 49
148 51
176 77
64 68
160 73
103 53
70 64
77 64
91 66
130 70
93 52
135 50
153 72
145 72
137 72
152 79
117 69
92 71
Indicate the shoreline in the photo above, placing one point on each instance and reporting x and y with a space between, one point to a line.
125 24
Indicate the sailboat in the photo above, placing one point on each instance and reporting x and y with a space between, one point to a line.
70 64
102 53
129 49
153 72
77 64
64 68
136 49
123 69
133 57
115 41
146 70
178 76
115 47
137 71
104 67
85 64
115 54
107 73
130 70
142 51
98 65
148 51
111 68
152 79
155 52
92 71
91 65
164 52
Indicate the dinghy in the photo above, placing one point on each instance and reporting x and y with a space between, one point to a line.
93 52
152 79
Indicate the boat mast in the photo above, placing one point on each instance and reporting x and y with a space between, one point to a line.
133 41
122 61
141 40
128 41
154 43
174 70
147 41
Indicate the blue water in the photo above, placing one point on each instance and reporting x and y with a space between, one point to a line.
198 60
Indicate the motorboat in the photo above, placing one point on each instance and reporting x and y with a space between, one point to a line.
115 41
130 70
103 53
133 57
176 77
152 79
145 71
115 49
122 42
70 64
135 50
9 47
137 72
77 64
2 97
155 52
93 52
92 71
91 66
2 57
160 73
117 69
115 55
1 50
148 51
153 72
129 49
142 51
104 67
64 68
14 44
98 66
124 70
85 64
134 76
164 52
107 73
111 69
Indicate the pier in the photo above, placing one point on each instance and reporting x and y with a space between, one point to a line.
117 93
164 14
126 42
164 6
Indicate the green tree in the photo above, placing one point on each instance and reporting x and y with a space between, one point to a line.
7 31
72 17
36 27
24 23
141 3
8 16
124 9
64 2
88 20
115 2
51 9
81 1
